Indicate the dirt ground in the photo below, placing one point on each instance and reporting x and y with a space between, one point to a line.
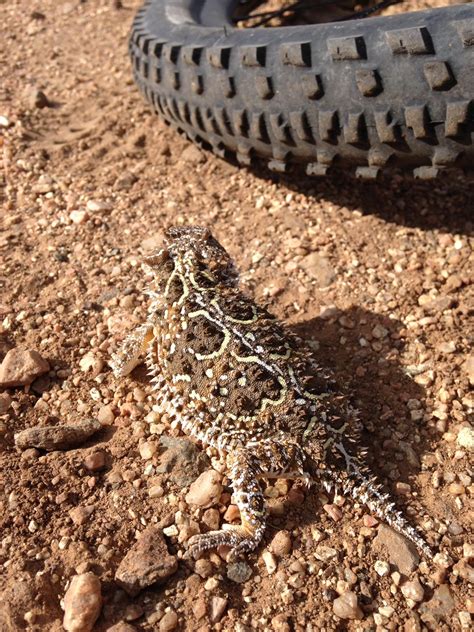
376 275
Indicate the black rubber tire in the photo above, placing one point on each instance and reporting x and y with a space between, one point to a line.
370 93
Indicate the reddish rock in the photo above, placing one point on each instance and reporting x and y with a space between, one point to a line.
80 515
401 553
281 544
5 402
82 603
95 461
21 366
148 562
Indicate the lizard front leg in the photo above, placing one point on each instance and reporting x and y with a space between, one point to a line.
128 355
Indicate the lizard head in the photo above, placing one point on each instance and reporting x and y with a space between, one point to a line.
193 250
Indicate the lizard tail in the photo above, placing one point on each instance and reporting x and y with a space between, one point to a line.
368 491
364 488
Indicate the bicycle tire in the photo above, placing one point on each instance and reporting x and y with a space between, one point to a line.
366 94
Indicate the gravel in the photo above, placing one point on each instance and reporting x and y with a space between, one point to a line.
376 276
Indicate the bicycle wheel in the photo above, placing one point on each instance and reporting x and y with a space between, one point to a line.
369 94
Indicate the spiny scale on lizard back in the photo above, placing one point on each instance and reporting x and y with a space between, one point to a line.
235 378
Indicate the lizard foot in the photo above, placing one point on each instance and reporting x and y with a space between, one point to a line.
237 537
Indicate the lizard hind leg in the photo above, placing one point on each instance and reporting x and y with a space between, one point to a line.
246 467
244 472
128 355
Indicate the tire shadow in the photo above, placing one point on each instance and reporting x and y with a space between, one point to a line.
445 203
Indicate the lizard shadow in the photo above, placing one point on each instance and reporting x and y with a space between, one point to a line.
442 204
363 349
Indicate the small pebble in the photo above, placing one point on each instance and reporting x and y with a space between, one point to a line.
456 489
270 561
82 603
217 608
232 513
281 544
239 572
468 550
169 621
156 491
319 269
347 607
97 206
106 415
78 217
333 511
280 623
80 515
5 402
413 590
382 568
324 553
95 461
57 437
369 521
146 563
21 366
147 450
91 363
465 438
203 568
206 489
401 553
379 332
193 155
212 518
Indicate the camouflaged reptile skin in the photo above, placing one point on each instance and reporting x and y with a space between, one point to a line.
233 377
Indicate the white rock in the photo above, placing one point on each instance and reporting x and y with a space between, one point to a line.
91 363
382 568
465 438
147 450
413 590
97 206
78 217
270 561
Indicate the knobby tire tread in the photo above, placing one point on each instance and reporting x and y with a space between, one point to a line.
371 94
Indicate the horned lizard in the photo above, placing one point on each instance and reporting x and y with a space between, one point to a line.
236 379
